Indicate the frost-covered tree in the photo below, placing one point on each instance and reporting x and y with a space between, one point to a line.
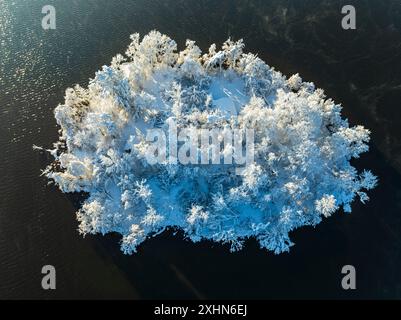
300 173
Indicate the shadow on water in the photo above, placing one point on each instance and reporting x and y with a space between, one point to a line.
167 266
359 68
305 39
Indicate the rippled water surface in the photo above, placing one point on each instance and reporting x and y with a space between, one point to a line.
360 68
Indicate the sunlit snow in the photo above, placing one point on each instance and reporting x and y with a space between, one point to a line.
301 171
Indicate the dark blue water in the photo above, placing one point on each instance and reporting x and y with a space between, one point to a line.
359 68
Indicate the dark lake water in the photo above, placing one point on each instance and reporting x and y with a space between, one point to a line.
359 68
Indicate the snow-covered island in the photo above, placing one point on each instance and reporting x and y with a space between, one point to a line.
301 148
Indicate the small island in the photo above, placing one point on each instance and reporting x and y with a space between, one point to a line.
294 172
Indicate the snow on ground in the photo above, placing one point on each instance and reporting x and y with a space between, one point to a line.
302 147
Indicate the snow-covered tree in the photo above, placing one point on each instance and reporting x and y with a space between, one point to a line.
302 147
